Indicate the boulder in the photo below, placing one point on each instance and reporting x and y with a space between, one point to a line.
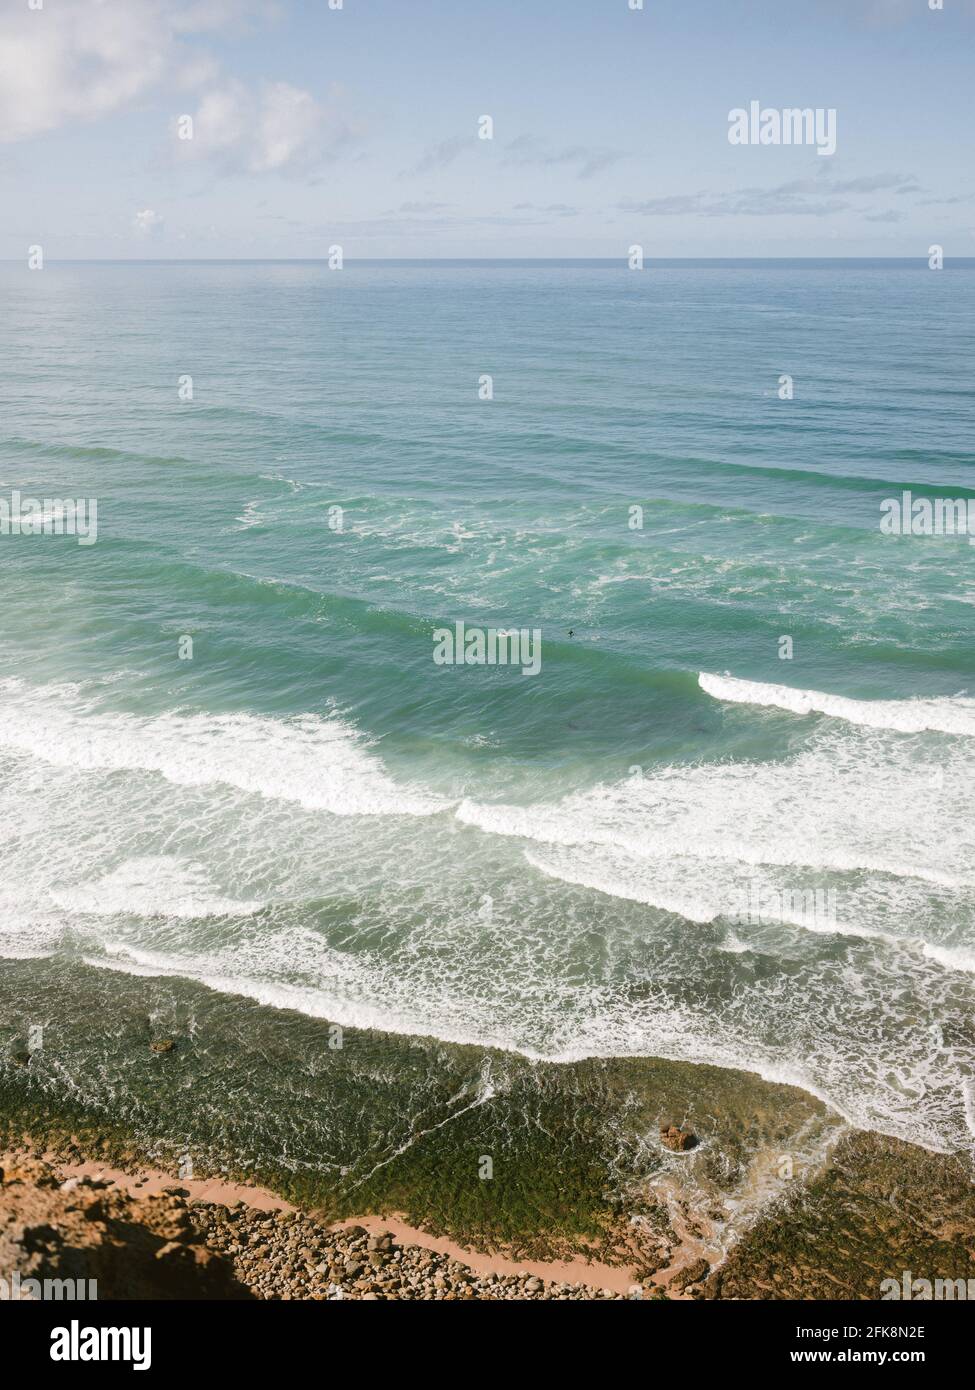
679 1140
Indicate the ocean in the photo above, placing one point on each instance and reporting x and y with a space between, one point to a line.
726 822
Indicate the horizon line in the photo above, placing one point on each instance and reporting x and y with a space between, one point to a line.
921 259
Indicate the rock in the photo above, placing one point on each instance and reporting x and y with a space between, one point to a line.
124 1243
162 1045
20 1059
693 1274
162 1246
30 1171
171 1247
679 1140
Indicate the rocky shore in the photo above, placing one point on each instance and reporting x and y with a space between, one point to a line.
52 1228
876 1209
168 1246
605 1173
289 1255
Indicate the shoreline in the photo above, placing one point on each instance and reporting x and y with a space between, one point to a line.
826 1241
230 1229
154 1182
775 1197
386 1124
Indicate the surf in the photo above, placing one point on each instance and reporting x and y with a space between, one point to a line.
320 762
941 716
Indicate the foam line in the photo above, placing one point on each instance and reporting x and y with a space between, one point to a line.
942 716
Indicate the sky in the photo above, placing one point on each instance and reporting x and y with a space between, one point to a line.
360 126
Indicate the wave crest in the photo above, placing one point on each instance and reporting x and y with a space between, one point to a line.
942 716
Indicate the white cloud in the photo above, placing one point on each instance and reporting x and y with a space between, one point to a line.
83 59
261 131
288 126
147 222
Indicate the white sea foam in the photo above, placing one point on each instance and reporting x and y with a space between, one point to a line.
968 1098
704 893
320 763
951 957
153 886
371 930
842 1037
344 991
913 1099
733 945
943 716
850 803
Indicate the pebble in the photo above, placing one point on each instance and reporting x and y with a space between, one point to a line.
299 1258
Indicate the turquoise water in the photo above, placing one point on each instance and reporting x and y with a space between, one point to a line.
312 813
